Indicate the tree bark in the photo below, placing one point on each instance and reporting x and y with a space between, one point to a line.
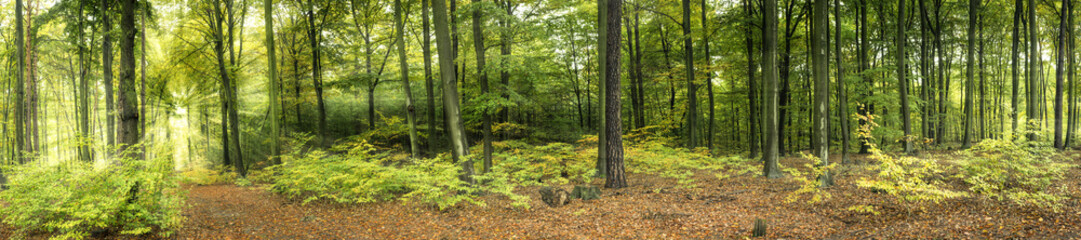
482 75
428 82
128 100
902 78
410 110
107 76
769 78
1033 71
602 55
752 87
616 178
450 89
1060 74
709 78
692 89
842 93
317 73
820 61
272 83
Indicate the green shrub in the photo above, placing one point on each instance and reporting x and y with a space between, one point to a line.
679 163
1022 172
809 181
362 175
206 177
72 199
908 178
555 163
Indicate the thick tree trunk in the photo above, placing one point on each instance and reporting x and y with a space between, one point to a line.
1060 74
450 90
692 89
864 47
842 93
970 68
128 100
820 60
85 153
614 129
107 75
769 78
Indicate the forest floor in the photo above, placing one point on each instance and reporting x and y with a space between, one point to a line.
651 208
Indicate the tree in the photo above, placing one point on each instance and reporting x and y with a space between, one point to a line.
1015 68
21 150
428 85
478 45
820 48
272 83
973 12
410 110
450 89
692 91
842 93
769 80
107 74
217 30
616 178
1060 72
129 110
602 62
709 78
84 92
314 39
1033 67
752 87
902 80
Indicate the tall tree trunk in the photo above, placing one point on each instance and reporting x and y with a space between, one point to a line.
428 82
107 75
1033 71
820 59
641 118
902 78
752 87
602 60
614 128
142 76
21 117
482 75
1060 74
314 39
709 78
272 83
864 46
1015 69
970 80
84 95
505 51
769 78
450 89
1072 119
692 90
128 100
410 110
842 96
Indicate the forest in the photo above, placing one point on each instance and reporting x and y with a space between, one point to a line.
539 119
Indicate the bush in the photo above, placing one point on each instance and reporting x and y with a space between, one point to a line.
72 199
680 163
555 163
810 181
908 178
362 175
1022 172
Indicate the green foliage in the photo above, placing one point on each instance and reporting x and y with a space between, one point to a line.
864 209
393 133
908 178
555 163
1023 172
680 163
205 177
72 199
809 182
362 174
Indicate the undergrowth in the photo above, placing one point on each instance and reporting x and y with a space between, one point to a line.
72 199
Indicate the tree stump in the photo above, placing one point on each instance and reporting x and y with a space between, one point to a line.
586 192
554 197
759 228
